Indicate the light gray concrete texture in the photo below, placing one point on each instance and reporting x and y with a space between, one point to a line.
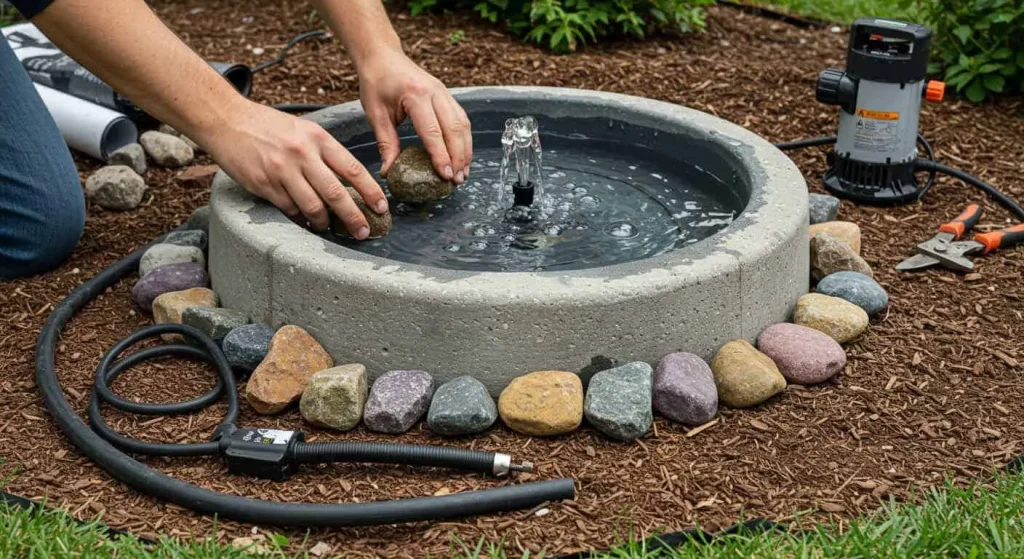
496 326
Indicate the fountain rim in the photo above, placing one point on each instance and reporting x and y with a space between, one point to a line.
777 206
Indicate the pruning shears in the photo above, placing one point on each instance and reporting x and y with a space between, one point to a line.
948 249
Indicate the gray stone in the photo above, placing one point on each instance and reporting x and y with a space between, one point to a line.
618 401
830 255
191 238
380 224
214 322
115 187
822 207
684 389
131 155
412 178
166 150
597 364
335 397
856 288
398 399
172 131
162 254
199 220
461 406
246 346
173 277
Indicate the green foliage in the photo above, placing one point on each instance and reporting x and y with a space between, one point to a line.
456 36
978 45
566 25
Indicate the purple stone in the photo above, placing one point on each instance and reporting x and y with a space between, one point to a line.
684 389
803 355
165 279
398 400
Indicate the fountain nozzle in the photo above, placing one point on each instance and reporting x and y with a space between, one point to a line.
522 195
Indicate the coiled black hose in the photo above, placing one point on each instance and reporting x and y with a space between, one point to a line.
1006 201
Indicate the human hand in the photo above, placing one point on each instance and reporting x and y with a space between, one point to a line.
392 87
294 164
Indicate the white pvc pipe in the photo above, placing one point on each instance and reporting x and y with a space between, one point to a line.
91 129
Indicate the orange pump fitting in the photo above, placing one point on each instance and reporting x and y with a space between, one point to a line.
935 91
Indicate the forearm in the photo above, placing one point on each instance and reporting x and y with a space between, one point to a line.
126 45
362 26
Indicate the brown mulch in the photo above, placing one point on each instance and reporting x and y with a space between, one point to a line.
930 391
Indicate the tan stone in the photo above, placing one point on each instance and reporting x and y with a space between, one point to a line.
845 231
543 403
830 254
167 308
840 319
293 359
745 377
336 397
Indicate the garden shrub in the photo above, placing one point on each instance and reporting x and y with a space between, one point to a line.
566 25
978 45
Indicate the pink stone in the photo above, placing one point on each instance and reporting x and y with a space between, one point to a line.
803 355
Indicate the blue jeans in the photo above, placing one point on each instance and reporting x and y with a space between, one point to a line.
42 208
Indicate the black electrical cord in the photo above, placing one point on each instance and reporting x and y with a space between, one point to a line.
284 51
809 142
95 446
1006 201
293 108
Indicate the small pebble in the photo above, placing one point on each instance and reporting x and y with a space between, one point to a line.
214 322
822 207
199 220
845 231
335 397
166 150
246 346
131 155
830 255
618 401
745 377
115 187
461 406
191 238
174 277
841 320
162 254
412 178
279 380
855 288
167 308
803 355
398 399
684 389
543 403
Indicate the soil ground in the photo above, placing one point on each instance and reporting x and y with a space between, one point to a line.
930 392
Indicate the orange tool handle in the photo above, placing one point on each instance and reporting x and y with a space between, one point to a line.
1002 238
963 222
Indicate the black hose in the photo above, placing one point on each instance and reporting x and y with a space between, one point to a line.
153 483
284 51
385 453
299 107
1006 201
809 142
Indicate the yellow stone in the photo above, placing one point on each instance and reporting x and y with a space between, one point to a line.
839 318
167 308
543 403
745 377
293 359
845 231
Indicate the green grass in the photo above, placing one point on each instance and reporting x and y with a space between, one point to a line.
954 522
840 11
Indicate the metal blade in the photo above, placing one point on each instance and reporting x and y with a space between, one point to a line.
917 262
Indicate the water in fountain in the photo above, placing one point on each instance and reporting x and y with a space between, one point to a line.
599 202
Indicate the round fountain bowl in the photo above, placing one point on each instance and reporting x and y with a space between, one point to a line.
496 325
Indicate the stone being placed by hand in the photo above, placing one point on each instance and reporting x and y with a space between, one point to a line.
115 187
684 389
618 401
461 406
398 399
293 359
162 254
543 403
803 355
188 238
855 288
131 155
166 150
744 376
412 178
173 277
246 346
380 224
822 207
215 323
335 397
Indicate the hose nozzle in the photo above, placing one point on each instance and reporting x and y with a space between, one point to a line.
503 465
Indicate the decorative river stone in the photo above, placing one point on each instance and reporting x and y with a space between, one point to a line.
380 225
174 277
335 397
412 178
199 220
130 155
246 346
841 320
398 399
283 375
830 255
744 376
215 323
167 308
684 389
855 288
822 207
162 254
543 403
803 355
188 238
115 187
461 406
618 401
166 150
846 231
